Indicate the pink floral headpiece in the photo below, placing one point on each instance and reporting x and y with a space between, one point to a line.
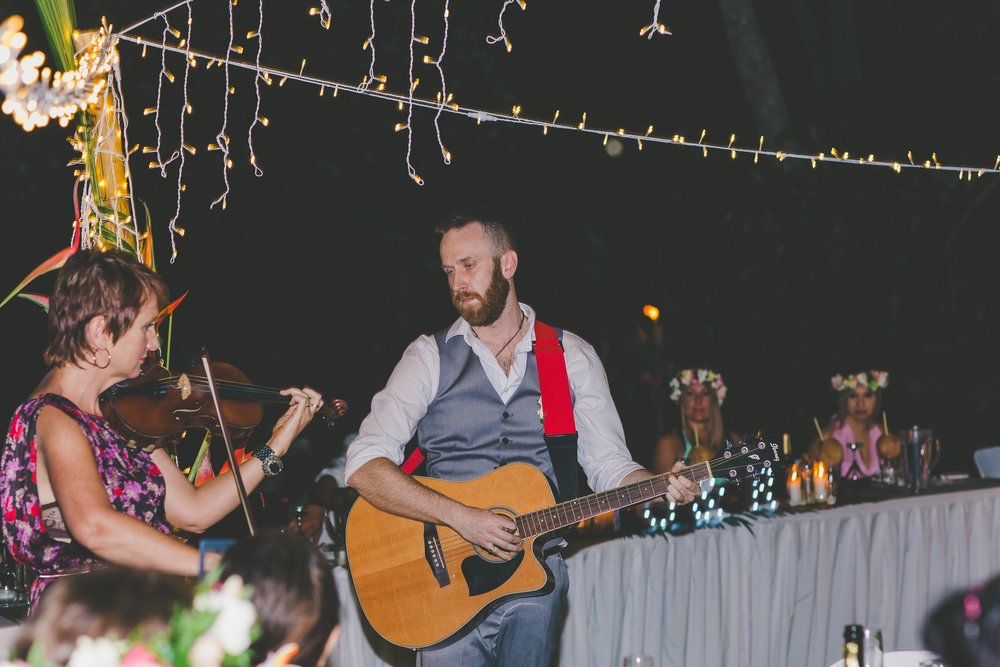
689 376
874 380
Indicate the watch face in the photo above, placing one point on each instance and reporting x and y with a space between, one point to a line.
274 466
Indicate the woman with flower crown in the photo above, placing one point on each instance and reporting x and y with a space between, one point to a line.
859 407
74 496
699 392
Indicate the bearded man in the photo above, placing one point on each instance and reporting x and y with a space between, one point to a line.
471 394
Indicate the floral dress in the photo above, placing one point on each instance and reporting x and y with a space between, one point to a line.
35 535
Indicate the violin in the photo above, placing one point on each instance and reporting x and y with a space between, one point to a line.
156 407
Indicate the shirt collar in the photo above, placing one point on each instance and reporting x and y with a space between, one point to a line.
464 329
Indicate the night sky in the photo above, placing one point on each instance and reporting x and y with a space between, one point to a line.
775 274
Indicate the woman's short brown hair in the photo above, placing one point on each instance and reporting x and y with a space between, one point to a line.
111 283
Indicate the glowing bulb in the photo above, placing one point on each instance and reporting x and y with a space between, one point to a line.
652 312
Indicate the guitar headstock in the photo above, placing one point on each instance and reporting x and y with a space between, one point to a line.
749 458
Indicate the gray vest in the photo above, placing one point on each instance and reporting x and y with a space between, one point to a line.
468 431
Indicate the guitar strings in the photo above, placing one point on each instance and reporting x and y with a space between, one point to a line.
588 504
588 501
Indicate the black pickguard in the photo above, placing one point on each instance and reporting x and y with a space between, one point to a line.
483 576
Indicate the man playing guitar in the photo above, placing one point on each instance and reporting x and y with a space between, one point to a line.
471 394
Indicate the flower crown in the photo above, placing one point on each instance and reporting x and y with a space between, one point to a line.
704 376
216 631
874 380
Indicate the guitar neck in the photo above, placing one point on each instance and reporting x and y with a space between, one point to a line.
574 511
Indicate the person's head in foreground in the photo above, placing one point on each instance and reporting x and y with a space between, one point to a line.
964 627
115 603
293 591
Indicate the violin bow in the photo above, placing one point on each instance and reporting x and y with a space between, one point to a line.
233 463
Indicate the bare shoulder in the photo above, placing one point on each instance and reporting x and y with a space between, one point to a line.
59 436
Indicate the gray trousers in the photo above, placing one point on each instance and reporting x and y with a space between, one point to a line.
523 632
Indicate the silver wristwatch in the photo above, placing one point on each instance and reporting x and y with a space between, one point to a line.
269 461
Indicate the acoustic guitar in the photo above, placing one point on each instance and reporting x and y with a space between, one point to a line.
420 583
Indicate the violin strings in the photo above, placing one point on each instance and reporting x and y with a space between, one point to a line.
233 387
235 390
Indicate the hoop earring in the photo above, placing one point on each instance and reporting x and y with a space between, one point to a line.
107 363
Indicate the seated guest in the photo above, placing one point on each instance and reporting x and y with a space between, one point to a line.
113 602
699 393
964 628
293 591
859 406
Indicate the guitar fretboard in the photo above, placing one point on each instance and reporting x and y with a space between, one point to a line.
574 511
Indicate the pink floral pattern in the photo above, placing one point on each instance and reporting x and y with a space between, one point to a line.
134 486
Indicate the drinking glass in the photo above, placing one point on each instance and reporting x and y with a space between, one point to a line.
637 661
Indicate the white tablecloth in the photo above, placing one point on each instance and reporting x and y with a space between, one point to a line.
782 594
779 595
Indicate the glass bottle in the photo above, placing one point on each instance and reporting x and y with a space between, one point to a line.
872 643
854 648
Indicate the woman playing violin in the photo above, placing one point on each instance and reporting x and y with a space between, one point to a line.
73 494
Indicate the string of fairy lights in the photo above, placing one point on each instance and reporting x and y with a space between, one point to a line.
34 95
515 117
50 101
655 28
502 37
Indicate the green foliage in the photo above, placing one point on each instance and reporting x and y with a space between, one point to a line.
59 19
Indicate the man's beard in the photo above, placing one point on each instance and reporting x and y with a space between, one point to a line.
491 304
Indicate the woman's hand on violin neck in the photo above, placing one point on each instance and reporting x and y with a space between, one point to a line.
305 403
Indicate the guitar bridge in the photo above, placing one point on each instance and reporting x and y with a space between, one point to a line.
435 555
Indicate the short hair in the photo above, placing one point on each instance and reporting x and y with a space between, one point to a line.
112 283
499 232
116 602
293 591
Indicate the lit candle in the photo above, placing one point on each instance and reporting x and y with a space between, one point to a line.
794 486
820 483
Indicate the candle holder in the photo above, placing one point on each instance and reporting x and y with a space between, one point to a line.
832 483
807 482
821 483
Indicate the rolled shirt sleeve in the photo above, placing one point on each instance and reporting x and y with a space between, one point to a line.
602 452
398 408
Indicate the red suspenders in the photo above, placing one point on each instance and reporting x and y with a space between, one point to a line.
557 411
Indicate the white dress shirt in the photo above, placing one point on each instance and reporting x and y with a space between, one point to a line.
397 409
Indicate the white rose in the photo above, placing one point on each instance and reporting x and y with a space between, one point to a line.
206 652
99 652
235 618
